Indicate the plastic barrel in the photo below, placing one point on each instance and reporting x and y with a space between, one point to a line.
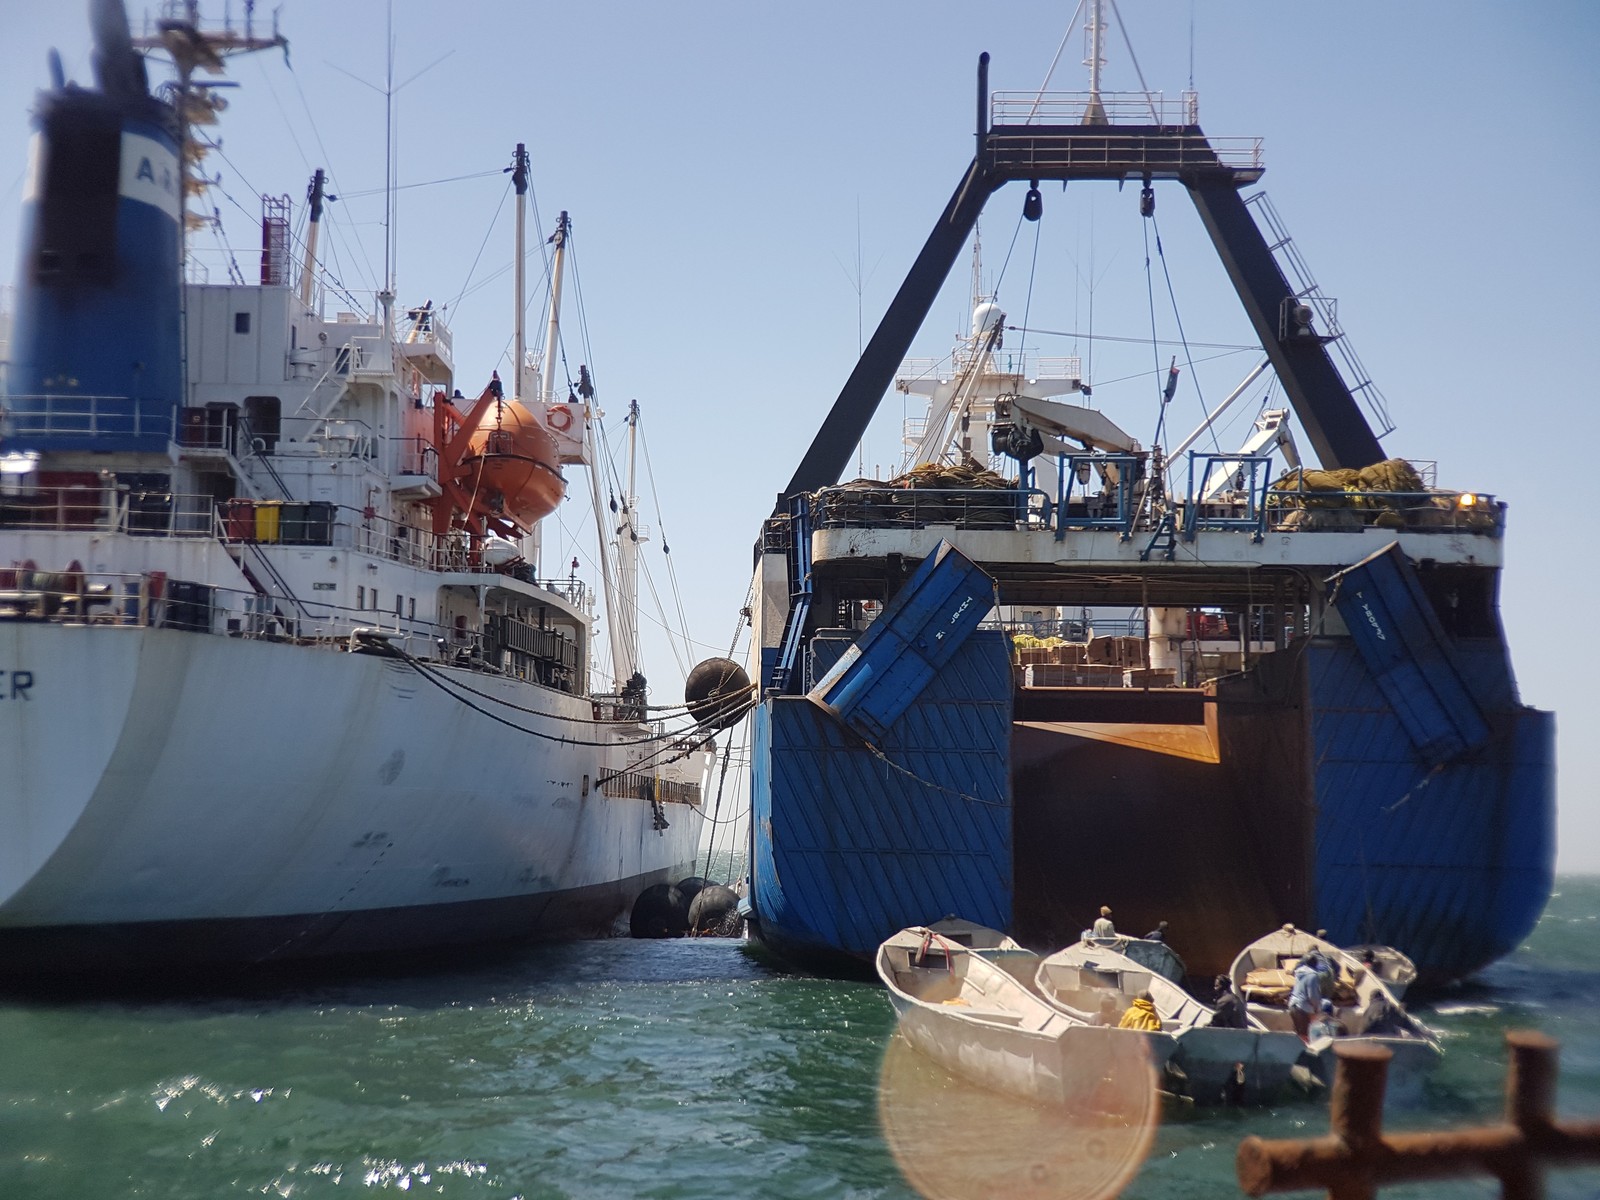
267 519
239 519
292 523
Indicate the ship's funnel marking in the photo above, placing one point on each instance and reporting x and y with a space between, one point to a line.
149 174
30 184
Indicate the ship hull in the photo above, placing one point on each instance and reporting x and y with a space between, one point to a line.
1293 794
396 934
186 797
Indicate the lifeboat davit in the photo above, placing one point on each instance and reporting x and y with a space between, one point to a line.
512 467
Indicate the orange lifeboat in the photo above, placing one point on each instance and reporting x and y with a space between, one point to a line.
511 466
499 467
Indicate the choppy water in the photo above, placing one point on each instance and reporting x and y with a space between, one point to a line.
614 1069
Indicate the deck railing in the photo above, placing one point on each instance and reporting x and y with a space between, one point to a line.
1071 108
50 415
1114 503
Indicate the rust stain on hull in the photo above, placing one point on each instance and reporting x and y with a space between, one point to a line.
1197 742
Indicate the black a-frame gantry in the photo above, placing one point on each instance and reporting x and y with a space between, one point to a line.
1333 422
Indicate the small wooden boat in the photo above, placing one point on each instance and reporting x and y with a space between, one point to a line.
1396 970
979 1022
999 948
1148 952
1089 982
1264 975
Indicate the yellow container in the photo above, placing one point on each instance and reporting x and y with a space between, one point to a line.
267 514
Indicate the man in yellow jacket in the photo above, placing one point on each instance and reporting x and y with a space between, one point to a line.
1141 1014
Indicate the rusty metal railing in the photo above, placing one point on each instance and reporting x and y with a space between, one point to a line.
1357 1157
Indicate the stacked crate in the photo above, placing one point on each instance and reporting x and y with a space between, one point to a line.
1099 662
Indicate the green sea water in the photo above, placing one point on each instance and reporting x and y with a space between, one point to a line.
615 1069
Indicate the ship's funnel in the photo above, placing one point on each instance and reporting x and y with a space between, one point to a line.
95 357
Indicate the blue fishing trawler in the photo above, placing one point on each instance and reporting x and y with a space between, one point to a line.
1219 688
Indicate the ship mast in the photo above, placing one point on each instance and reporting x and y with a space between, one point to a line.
1095 112
625 629
519 349
314 197
552 333
616 622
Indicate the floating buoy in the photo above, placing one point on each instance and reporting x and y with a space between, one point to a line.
715 912
659 912
717 693
690 887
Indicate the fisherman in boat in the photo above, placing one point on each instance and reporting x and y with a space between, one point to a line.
1103 928
1327 1025
1141 1015
1158 934
1107 1016
1306 997
1229 1012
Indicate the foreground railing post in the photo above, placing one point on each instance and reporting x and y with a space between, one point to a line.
1356 1158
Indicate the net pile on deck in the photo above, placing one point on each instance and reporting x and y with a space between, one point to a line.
1347 496
966 494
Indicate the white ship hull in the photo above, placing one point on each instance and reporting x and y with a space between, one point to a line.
187 797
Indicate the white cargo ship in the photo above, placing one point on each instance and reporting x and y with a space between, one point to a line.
279 675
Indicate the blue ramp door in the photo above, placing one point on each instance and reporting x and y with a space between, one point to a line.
1399 638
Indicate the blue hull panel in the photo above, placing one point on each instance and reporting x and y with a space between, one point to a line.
851 845
1393 627
1452 861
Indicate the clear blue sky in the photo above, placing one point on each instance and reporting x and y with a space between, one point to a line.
1434 160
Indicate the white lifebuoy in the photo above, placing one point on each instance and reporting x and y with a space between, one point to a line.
559 418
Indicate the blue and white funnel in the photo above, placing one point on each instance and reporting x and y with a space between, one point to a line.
96 360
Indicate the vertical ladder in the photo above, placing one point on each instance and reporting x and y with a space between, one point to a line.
794 626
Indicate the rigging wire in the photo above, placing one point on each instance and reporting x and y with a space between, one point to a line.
666 552
1159 372
1033 274
1007 261
327 158
266 77
671 634
405 187
328 222
1177 316
722 779
667 708
446 685
487 233
732 823
1139 341
1150 296
938 787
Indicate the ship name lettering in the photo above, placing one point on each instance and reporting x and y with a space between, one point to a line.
1373 621
965 604
21 684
